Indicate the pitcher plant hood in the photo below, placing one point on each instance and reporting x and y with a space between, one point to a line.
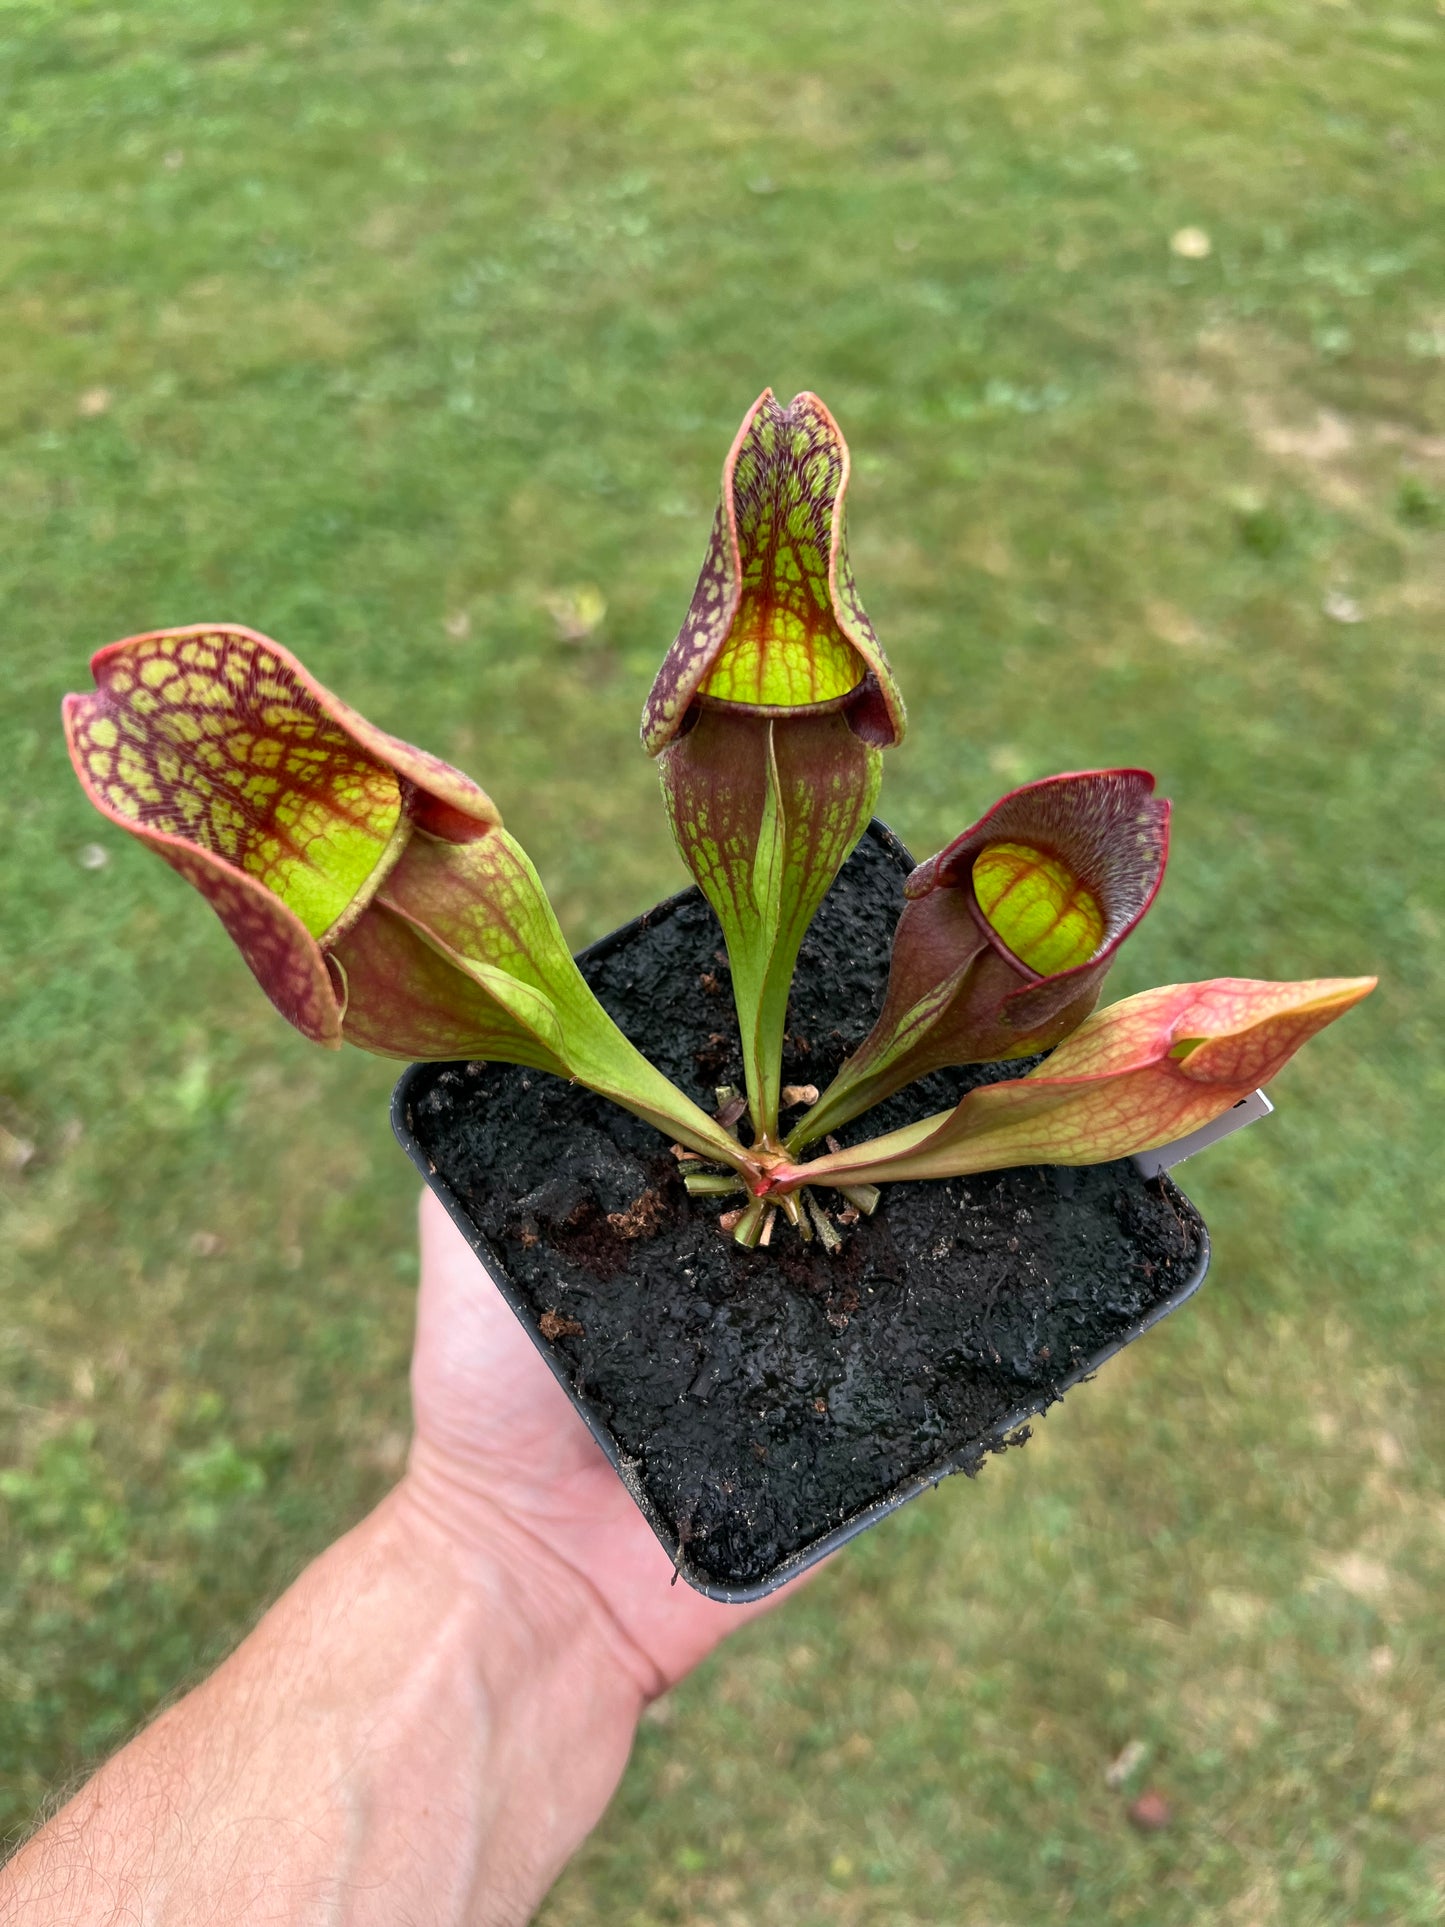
285 808
775 624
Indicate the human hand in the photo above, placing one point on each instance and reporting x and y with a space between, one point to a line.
499 1449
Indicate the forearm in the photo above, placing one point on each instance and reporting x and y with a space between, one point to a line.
417 1731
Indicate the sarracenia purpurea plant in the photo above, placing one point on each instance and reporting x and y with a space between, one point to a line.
378 900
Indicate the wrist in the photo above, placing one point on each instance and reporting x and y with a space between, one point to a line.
450 1515
529 1672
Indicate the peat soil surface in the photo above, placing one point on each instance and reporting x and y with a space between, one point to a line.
763 1398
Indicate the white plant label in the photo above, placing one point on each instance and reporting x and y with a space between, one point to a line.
1151 1163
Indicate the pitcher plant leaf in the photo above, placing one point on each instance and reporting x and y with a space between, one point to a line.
1134 1076
369 886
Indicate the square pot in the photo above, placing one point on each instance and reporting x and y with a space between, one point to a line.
764 1406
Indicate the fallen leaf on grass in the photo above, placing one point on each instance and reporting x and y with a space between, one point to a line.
1360 1575
1125 1764
15 1152
1191 244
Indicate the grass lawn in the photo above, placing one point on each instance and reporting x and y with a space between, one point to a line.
380 327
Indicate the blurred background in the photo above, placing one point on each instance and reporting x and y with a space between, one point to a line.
414 332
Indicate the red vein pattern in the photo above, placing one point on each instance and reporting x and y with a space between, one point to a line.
956 993
776 585
209 738
1107 828
1118 1086
281 805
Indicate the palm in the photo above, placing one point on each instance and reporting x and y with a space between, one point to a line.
489 1409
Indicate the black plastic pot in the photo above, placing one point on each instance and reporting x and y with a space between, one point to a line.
747 1469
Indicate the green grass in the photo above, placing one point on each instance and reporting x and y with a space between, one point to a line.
378 325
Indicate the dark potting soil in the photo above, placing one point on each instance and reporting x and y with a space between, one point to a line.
764 1397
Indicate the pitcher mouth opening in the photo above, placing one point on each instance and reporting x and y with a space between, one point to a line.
777 711
1035 909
